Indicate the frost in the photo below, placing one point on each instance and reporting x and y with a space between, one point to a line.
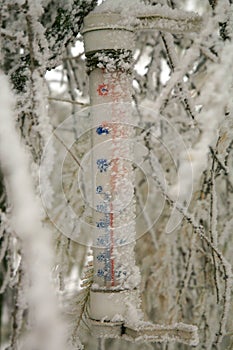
136 13
26 221
178 332
182 76
119 6
117 318
138 8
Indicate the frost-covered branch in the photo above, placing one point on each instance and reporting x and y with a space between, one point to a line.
26 220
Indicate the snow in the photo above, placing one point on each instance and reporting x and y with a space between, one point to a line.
135 14
26 222
138 8
118 6
148 332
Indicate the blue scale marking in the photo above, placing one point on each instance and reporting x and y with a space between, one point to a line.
104 256
119 273
101 257
121 241
101 273
101 130
103 241
99 189
102 208
105 274
102 165
104 224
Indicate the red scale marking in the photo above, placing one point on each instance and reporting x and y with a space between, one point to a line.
102 90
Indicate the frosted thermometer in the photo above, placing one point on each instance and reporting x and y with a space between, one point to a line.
115 298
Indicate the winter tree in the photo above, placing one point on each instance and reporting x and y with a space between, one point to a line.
181 92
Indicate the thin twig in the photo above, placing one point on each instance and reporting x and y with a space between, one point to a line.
173 60
68 150
212 225
223 167
67 101
227 270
